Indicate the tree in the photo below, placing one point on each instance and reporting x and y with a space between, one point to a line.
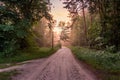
74 7
109 14
16 20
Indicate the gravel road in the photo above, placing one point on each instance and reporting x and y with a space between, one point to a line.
60 66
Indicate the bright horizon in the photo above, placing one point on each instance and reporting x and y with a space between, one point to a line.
59 13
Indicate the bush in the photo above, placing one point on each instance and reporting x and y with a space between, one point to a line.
7 75
29 54
108 64
102 60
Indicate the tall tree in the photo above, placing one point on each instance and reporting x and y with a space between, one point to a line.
74 7
109 15
16 20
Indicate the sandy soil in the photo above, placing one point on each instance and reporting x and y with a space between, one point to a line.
60 66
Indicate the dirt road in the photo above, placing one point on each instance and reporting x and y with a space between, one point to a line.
60 66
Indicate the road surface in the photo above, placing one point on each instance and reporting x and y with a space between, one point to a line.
60 66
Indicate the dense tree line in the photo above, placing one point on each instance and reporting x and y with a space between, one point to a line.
16 20
104 17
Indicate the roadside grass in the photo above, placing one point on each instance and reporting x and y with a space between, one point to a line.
23 55
103 61
5 65
27 54
8 75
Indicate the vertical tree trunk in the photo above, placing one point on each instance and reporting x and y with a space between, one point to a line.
91 16
115 29
85 26
52 39
52 34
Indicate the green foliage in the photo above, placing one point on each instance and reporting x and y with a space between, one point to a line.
111 77
7 75
29 54
78 36
103 61
22 28
16 20
7 43
109 16
108 25
94 31
110 49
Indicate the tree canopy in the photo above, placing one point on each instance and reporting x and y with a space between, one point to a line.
16 20
108 12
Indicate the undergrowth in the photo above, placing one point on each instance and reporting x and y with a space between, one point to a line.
108 63
8 75
29 54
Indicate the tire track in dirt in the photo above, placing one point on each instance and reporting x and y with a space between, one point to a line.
60 66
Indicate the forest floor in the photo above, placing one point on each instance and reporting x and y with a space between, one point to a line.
60 66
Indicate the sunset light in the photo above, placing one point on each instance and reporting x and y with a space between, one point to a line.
57 30
59 13
60 39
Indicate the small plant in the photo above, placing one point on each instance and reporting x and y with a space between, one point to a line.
110 49
100 60
29 54
8 75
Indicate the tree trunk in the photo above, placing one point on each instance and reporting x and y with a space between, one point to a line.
52 39
85 26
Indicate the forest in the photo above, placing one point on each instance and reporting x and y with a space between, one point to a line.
95 31
98 27
26 27
17 21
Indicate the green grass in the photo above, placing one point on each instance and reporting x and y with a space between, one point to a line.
24 55
29 54
5 65
108 63
7 75
110 77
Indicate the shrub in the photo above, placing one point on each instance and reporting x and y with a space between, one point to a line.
102 60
